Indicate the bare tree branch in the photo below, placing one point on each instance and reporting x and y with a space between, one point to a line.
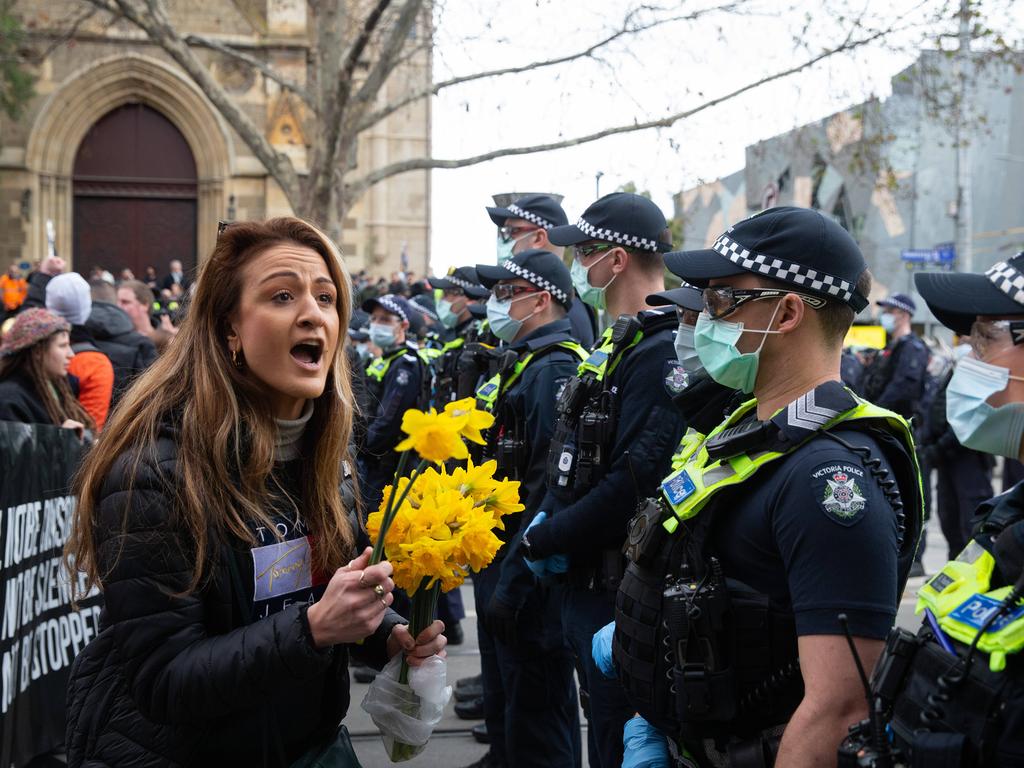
152 19
355 188
61 37
260 66
317 195
627 28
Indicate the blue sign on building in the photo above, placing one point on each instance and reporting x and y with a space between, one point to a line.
943 253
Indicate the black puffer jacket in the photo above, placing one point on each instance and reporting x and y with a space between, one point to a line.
129 351
191 680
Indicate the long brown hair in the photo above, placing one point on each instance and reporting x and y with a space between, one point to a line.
225 428
55 393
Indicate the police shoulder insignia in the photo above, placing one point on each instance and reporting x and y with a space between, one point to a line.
839 488
675 377
402 378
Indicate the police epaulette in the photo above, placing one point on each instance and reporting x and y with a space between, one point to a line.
656 319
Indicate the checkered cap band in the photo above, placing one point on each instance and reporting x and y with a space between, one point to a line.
786 271
893 302
520 213
631 241
460 282
1008 280
392 306
536 279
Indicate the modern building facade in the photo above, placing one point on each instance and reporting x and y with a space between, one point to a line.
887 171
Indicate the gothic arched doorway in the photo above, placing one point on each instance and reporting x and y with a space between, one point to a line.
135 194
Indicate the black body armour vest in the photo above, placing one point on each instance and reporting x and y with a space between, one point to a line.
701 655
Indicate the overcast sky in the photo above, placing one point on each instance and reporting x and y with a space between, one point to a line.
662 71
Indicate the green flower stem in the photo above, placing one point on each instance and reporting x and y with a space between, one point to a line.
392 509
424 606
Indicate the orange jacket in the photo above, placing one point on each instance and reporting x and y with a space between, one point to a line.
13 290
95 384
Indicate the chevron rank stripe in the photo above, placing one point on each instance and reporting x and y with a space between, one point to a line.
533 277
1008 280
804 413
533 218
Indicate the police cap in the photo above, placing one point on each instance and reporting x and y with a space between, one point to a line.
390 302
542 210
623 218
540 268
463 278
798 246
957 298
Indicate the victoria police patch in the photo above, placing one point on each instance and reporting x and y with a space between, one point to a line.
402 378
675 377
839 490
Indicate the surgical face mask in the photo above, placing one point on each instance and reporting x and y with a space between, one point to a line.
363 350
503 325
888 322
589 294
448 318
686 353
976 424
382 336
715 342
506 248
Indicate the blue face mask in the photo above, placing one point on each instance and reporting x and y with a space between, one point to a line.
686 353
445 314
382 336
888 322
976 424
503 325
715 342
589 294
363 350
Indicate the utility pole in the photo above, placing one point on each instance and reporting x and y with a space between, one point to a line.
597 184
964 203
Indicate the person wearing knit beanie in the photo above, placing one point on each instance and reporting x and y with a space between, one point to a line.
68 295
34 360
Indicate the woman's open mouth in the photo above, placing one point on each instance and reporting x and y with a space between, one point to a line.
308 354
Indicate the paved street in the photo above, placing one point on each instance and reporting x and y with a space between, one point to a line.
453 746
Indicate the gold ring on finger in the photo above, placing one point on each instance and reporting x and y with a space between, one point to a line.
378 590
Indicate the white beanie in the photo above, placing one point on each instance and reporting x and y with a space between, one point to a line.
68 296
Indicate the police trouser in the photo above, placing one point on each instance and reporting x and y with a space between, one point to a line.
450 609
962 482
533 694
584 612
490 673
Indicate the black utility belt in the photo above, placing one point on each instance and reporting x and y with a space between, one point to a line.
604 576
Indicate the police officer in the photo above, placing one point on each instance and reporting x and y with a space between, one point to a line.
524 225
802 505
896 378
616 431
459 289
529 695
955 691
393 386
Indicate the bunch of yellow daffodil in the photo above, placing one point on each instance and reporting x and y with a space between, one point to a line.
444 527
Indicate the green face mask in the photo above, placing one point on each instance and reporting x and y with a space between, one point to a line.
715 341
589 294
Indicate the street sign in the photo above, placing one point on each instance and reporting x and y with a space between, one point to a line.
943 253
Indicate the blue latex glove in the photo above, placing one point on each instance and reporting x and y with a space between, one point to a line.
601 649
549 566
645 746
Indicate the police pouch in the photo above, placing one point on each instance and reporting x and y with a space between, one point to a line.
695 612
